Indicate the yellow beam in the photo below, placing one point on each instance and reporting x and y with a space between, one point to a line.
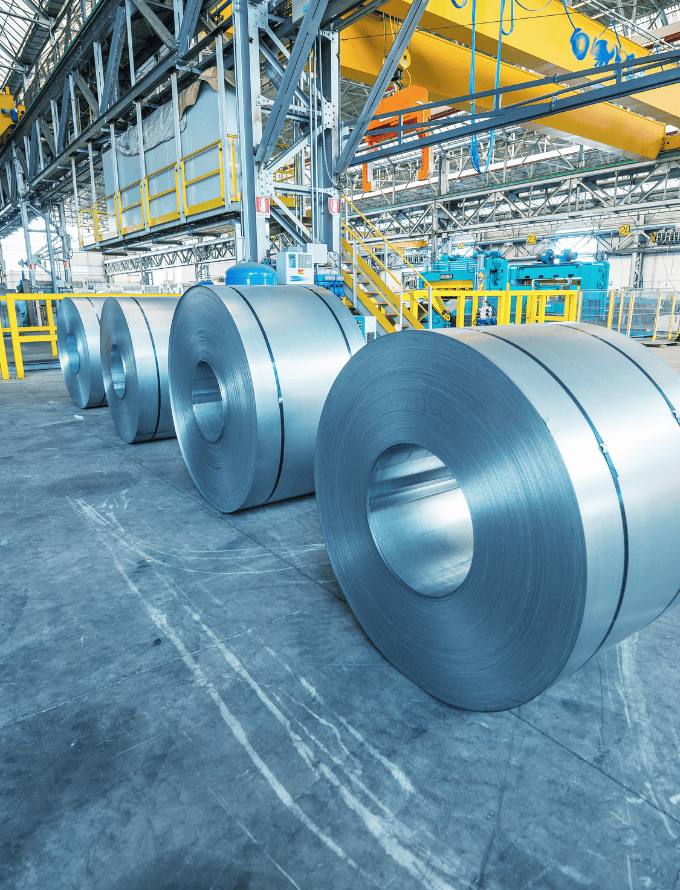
541 41
444 69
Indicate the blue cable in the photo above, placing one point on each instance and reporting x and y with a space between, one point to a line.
564 3
474 145
512 18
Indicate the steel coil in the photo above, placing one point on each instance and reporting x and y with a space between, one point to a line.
134 348
250 369
78 348
499 505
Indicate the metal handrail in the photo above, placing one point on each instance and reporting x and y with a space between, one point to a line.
389 243
191 209
165 217
21 335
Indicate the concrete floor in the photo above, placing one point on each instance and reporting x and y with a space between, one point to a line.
187 704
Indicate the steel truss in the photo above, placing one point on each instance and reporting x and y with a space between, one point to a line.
130 57
536 200
219 249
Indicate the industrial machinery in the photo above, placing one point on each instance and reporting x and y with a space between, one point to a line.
488 270
9 115
559 273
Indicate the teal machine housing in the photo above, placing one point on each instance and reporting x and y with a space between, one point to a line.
488 270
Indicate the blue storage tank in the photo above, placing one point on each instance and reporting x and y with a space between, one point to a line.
250 273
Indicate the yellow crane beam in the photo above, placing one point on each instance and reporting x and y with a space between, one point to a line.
444 69
544 41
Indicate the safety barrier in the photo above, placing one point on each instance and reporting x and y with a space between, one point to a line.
39 333
192 206
139 204
156 186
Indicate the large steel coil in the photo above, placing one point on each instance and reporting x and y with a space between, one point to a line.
500 505
250 369
134 347
78 348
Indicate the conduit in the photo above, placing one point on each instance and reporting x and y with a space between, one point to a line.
134 348
250 369
78 348
499 506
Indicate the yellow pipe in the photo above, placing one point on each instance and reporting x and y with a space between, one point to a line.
444 69
670 324
4 367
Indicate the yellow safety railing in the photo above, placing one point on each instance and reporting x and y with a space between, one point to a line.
153 196
416 299
92 223
643 314
134 194
134 205
39 333
531 305
235 194
218 201
384 294
108 223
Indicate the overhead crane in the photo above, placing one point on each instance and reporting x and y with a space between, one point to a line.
552 39
442 68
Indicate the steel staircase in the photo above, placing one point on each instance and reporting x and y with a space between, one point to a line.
367 293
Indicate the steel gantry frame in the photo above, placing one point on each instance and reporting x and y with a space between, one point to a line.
133 56
127 59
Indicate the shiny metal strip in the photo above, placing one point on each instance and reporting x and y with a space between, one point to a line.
674 411
94 308
337 320
155 357
278 389
612 470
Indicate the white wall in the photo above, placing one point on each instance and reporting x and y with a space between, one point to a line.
619 271
661 270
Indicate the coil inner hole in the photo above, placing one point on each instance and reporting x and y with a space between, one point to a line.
72 353
420 520
117 371
206 397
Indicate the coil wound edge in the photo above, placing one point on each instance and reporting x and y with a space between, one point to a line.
250 368
134 349
78 348
500 506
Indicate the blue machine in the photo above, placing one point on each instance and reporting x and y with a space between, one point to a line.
250 273
454 268
332 281
559 273
488 270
